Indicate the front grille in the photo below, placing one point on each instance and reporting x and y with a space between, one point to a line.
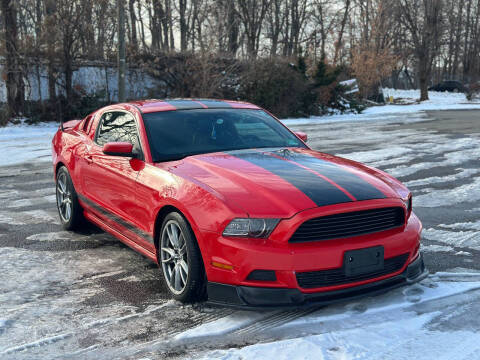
315 279
350 224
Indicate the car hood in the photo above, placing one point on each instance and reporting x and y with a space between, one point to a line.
282 182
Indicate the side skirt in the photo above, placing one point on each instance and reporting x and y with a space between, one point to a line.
97 221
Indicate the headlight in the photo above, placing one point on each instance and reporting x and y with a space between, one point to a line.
408 204
254 228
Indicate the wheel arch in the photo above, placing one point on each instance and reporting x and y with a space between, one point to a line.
161 214
58 166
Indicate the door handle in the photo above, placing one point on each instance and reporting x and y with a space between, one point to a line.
89 159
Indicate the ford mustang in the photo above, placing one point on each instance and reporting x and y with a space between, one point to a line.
233 206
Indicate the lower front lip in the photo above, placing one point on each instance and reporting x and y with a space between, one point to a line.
250 297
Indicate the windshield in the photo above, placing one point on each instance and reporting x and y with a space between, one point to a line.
174 135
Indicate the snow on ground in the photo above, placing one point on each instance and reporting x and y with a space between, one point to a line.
466 235
23 143
438 101
429 320
460 174
464 193
64 293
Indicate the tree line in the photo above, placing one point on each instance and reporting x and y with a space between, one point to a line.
370 39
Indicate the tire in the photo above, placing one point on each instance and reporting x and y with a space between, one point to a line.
180 260
69 209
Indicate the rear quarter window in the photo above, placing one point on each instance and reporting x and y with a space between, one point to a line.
87 123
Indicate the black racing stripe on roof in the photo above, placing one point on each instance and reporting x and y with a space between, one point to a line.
184 104
320 191
215 104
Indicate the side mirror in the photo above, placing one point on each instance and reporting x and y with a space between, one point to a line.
118 149
302 136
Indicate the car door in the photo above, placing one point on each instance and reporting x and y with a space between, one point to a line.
109 181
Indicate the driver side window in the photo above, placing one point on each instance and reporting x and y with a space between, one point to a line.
117 126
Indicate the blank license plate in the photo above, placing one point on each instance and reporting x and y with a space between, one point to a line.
363 261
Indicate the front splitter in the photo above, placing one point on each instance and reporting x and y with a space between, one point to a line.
250 297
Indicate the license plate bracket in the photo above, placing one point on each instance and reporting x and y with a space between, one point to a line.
363 261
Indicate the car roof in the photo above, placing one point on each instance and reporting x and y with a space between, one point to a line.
154 105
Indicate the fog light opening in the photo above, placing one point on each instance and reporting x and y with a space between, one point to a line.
262 275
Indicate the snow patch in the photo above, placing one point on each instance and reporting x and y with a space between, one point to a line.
6 219
222 326
61 235
26 143
463 253
458 154
461 174
466 239
436 248
379 154
395 325
438 101
40 216
8 193
463 226
467 193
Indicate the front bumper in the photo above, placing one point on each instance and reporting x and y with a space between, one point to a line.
264 298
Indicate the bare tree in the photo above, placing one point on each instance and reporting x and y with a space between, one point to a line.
324 17
423 20
390 35
373 58
341 31
142 25
121 50
182 11
133 23
252 13
297 16
232 27
160 24
275 22
13 70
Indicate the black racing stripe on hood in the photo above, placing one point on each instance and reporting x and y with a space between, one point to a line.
320 191
355 185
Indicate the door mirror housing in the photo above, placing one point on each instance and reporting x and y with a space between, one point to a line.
118 149
302 136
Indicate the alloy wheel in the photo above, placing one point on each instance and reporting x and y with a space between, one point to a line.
64 198
174 258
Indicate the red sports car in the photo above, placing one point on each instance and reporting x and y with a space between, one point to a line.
233 206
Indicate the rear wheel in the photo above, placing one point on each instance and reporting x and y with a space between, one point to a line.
180 260
69 209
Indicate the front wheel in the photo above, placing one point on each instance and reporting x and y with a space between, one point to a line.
69 209
181 260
